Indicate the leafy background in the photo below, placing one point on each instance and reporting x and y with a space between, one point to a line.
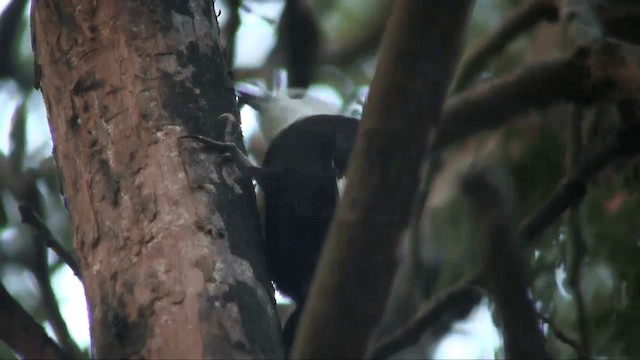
534 151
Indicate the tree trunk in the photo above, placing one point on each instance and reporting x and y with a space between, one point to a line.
167 236
419 52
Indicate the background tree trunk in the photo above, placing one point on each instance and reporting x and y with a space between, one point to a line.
418 55
167 238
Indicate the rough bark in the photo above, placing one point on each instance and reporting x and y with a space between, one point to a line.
419 51
167 236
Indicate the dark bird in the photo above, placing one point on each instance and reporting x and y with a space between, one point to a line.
298 178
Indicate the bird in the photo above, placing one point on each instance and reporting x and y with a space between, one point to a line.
298 179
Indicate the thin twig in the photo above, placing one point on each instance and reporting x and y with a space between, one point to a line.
246 6
49 302
44 240
23 334
575 279
573 188
577 244
30 217
560 335
522 20
434 166
435 316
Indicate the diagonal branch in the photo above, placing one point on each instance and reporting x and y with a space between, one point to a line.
564 338
40 268
591 74
519 22
573 188
30 217
23 334
435 316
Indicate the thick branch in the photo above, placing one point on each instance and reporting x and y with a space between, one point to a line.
419 52
589 75
23 334
361 42
299 34
504 269
10 26
522 20
298 47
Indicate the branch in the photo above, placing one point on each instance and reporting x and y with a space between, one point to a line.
591 74
620 20
560 335
298 42
436 317
520 21
231 32
31 218
504 271
573 188
23 334
575 281
10 21
21 184
577 246
419 52
361 42
40 268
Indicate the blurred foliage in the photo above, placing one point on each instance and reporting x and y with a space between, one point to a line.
27 172
534 151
